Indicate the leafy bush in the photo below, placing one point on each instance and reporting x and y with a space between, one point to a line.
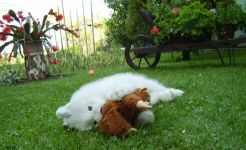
183 19
9 74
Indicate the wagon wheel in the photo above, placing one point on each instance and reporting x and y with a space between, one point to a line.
142 60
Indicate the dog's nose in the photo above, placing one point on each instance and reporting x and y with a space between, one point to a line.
95 123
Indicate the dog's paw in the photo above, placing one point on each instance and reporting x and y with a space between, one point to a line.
143 105
119 94
176 92
170 94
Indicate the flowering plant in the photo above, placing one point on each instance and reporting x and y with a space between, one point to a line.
181 20
24 29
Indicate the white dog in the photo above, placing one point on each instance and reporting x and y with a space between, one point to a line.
83 110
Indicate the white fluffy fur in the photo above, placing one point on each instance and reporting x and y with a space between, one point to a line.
76 114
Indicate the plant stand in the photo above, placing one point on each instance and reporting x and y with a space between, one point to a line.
35 63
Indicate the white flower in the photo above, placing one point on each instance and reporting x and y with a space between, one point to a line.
213 10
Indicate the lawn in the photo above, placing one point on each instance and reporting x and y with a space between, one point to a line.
210 115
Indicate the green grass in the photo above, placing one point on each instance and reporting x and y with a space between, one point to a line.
210 115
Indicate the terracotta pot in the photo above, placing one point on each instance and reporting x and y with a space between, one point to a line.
226 31
33 48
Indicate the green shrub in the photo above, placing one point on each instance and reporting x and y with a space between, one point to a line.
189 20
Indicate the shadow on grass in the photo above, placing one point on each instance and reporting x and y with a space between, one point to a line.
190 66
51 77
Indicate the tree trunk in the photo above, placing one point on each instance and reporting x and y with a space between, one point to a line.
35 63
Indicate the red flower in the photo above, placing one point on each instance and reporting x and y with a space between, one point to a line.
59 17
3 37
20 29
8 18
1 56
22 17
154 30
54 61
176 10
6 30
20 14
55 48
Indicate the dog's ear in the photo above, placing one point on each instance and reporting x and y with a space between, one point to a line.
143 90
63 112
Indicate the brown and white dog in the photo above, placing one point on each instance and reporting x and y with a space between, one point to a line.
82 112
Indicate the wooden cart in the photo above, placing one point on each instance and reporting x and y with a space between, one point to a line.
143 52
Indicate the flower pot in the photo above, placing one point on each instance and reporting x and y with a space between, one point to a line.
35 63
207 36
226 31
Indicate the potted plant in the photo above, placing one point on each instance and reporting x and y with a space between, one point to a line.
28 37
229 18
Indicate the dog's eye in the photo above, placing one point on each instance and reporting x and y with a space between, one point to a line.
90 108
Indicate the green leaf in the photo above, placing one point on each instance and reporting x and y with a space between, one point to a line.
47 24
13 27
5 44
46 46
20 49
14 50
35 27
27 27
55 27
46 36
44 22
13 14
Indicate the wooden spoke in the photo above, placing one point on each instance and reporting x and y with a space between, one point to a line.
135 62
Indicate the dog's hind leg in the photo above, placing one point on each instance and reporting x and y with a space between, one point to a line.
165 95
